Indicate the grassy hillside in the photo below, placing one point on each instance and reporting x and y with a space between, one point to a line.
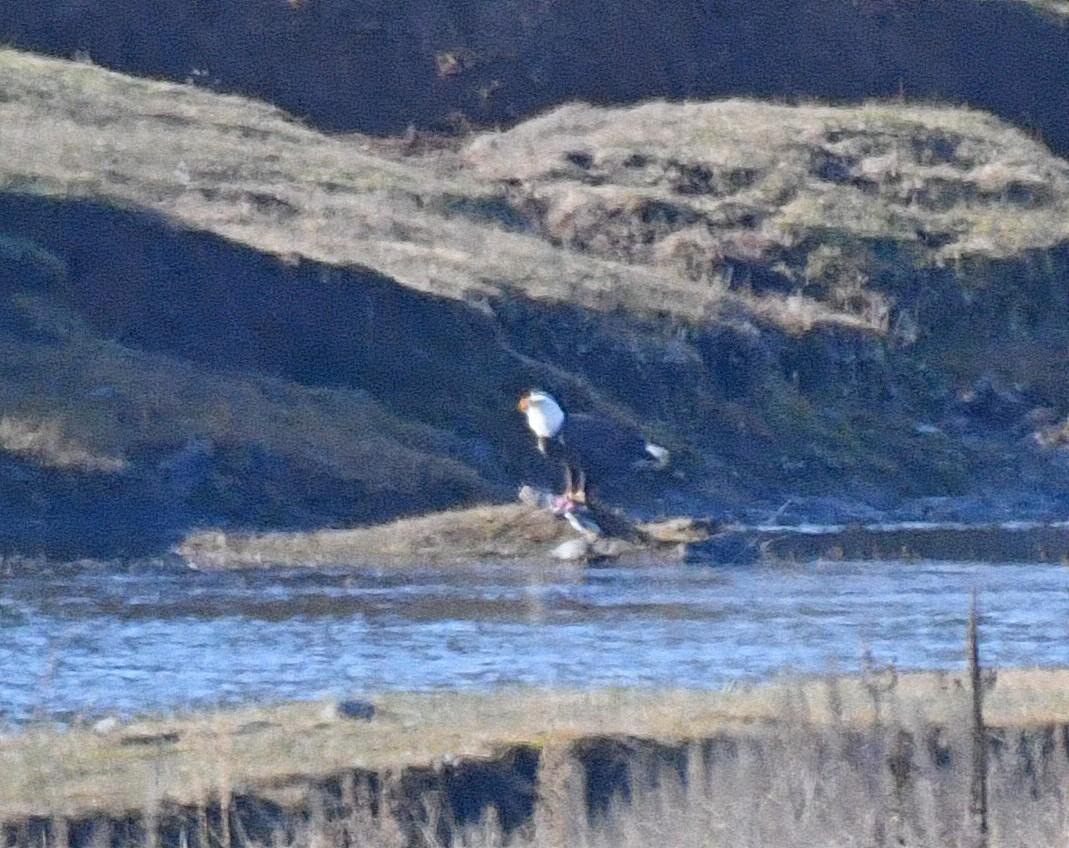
779 200
643 200
350 64
243 320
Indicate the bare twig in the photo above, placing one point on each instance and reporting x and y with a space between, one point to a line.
978 793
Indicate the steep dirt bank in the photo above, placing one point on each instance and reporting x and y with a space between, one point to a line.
380 66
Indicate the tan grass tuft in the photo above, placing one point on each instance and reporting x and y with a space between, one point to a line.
45 443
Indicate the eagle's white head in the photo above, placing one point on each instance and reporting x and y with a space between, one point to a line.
544 415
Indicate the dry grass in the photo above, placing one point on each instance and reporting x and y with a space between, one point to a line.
737 214
46 443
80 770
816 749
795 787
478 534
763 788
513 533
605 208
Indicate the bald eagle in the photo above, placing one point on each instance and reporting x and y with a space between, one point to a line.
588 446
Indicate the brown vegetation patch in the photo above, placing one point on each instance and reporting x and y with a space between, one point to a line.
483 534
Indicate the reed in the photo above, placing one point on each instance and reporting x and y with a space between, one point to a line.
811 775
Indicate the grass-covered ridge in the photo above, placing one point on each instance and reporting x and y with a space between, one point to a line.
646 208
246 171
797 206
969 183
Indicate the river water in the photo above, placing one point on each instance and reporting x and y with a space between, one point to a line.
148 637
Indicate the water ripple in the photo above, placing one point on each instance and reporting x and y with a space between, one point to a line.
147 639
